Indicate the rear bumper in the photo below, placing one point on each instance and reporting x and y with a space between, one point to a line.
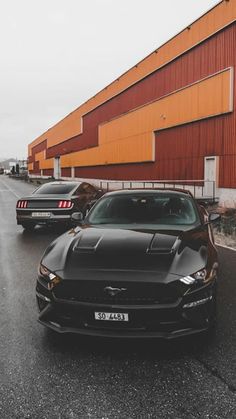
54 218
166 322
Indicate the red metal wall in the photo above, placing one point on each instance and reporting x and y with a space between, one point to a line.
66 172
38 148
48 172
36 168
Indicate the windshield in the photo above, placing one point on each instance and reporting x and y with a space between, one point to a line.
148 209
55 188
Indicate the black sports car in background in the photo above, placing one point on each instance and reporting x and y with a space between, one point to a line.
54 202
141 264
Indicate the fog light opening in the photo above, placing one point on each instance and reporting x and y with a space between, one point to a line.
198 302
55 324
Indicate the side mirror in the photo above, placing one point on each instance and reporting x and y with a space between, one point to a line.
99 193
202 203
214 217
77 217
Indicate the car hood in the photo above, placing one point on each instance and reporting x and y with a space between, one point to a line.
100 253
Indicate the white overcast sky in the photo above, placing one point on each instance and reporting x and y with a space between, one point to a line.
55 54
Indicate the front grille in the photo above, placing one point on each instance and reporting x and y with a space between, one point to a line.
135 293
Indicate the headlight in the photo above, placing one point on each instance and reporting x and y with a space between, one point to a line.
200 277
50 277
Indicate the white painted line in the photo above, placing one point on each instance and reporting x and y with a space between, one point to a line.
10 189
226 247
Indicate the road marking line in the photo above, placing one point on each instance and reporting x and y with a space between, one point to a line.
225 247
10 189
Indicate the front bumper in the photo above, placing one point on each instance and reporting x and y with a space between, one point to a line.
150 321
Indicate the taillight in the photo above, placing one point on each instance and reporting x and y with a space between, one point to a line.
64 204
22 204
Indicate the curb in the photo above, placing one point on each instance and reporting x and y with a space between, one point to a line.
226 247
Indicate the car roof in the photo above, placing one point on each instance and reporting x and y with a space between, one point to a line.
74 185
62 183
66 182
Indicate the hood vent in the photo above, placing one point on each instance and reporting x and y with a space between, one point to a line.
87 243
163 244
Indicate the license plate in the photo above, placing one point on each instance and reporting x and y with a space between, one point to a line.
41 214
114 317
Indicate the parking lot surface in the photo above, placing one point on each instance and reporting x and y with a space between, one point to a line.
44 375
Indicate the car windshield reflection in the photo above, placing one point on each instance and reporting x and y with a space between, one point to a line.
151 210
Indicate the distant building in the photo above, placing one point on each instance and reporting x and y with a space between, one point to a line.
8 164
170 117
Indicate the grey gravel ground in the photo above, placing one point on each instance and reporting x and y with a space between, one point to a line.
44 375
228 240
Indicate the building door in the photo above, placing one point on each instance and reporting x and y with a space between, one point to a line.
57 168
210 175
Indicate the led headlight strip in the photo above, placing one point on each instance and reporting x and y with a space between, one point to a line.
51 278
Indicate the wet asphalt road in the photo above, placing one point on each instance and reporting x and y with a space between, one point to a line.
48 376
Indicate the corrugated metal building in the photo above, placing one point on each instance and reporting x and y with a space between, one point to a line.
171 116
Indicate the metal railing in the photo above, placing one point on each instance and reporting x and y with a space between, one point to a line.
201 189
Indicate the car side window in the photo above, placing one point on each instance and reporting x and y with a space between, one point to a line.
77 192
85 188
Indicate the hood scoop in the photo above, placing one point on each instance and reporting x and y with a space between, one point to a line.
124 244
163 244
88 243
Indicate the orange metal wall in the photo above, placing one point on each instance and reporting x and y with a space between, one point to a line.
46 164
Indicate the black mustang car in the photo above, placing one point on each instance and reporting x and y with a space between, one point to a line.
55 202
142 263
